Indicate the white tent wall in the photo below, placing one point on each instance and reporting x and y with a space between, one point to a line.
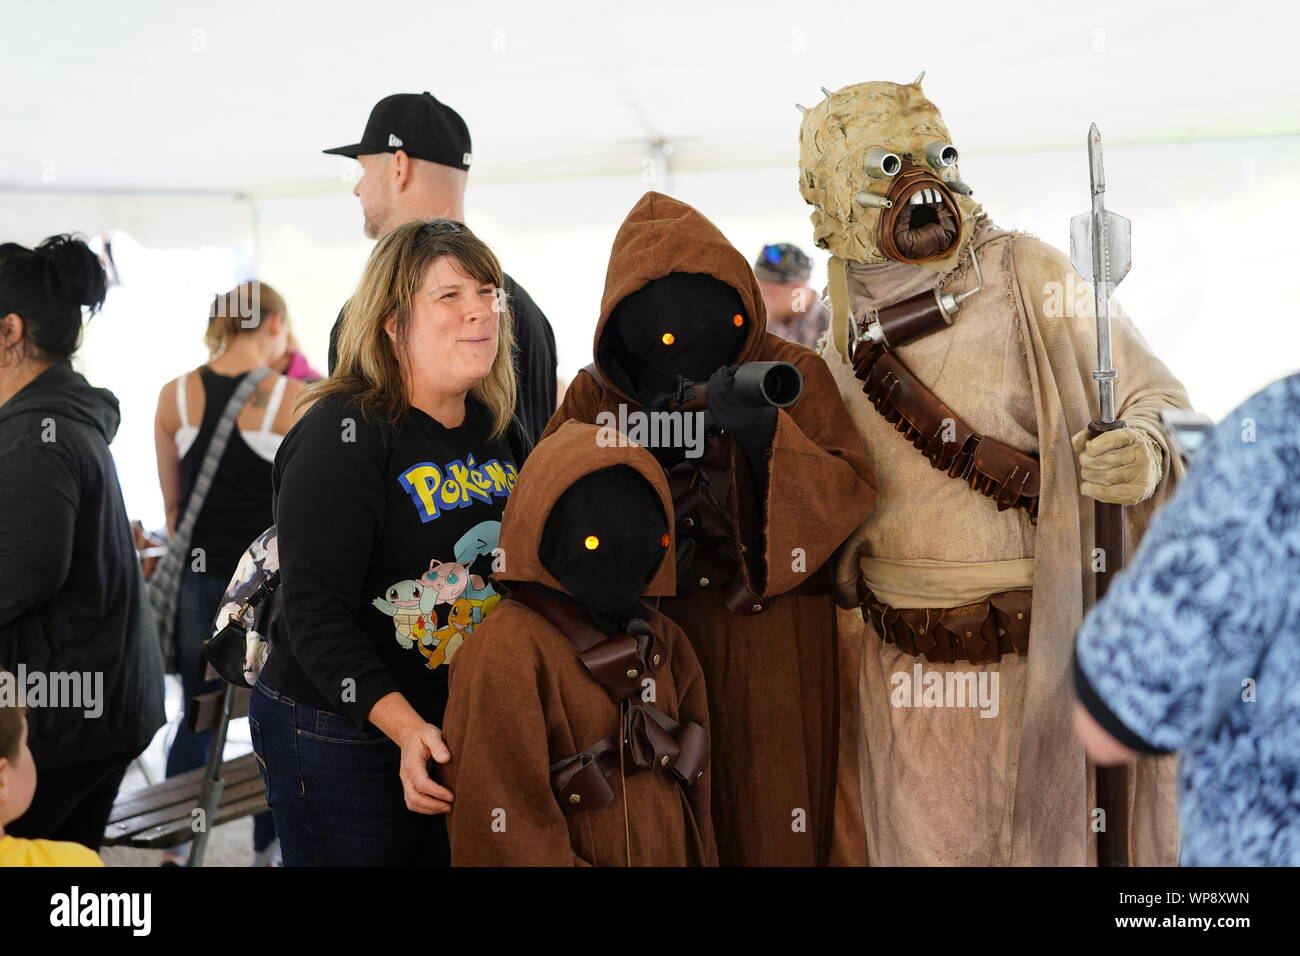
156 220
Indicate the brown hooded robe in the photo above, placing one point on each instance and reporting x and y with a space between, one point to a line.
521 701
771 676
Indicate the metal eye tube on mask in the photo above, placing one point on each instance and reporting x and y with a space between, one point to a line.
881 163
941 155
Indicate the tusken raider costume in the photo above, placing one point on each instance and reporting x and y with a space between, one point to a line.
759 511
577 717
963 353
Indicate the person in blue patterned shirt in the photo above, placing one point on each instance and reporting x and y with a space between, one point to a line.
1196 648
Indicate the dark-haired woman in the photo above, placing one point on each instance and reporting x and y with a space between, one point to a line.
75 628
390 492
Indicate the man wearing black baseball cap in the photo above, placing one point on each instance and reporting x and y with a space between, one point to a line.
415 157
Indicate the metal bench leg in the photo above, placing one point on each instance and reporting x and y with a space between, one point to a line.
213 785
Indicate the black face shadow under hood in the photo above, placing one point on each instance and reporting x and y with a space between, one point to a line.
684 325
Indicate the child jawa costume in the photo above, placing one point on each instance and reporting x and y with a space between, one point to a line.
758 514
978 559
569 663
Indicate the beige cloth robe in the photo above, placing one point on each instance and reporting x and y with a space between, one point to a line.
944 785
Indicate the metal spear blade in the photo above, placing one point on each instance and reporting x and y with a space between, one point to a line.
1101 252
1115 251
1118 246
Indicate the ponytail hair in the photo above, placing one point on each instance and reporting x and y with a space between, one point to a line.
48 287
241 310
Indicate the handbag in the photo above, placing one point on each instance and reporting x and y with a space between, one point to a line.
247 615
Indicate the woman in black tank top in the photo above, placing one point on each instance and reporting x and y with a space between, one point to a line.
247 329
238 505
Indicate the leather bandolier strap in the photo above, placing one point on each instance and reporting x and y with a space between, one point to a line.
654 741
980 633
991 467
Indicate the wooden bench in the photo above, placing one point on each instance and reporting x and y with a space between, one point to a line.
162 816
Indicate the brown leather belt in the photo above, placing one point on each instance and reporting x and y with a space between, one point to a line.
980 633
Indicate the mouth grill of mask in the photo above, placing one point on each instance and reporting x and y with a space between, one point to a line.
924 222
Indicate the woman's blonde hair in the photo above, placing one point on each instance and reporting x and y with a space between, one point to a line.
242 309
368 368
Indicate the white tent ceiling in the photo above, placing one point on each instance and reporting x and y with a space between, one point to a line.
241 96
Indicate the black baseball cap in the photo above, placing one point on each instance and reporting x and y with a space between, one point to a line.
782 262
418 124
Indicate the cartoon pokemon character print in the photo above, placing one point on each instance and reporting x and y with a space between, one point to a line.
437 610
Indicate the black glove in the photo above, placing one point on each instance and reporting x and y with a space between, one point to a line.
750 425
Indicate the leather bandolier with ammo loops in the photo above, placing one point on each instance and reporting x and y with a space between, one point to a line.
991 467
985 630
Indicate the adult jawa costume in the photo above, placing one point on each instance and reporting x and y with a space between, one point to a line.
978 559
758 514
570 666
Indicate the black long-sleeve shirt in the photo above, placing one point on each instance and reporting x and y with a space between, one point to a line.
386 536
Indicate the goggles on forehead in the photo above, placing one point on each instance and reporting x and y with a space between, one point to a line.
440 227
782 260
774 255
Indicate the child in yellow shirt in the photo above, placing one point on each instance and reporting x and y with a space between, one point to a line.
17 786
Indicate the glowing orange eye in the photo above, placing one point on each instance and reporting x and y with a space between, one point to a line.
592 542
737 320
668 338
663 542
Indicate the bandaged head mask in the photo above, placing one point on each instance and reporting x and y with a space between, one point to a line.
878 166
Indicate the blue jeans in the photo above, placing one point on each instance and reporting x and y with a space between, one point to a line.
199 598
335 790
